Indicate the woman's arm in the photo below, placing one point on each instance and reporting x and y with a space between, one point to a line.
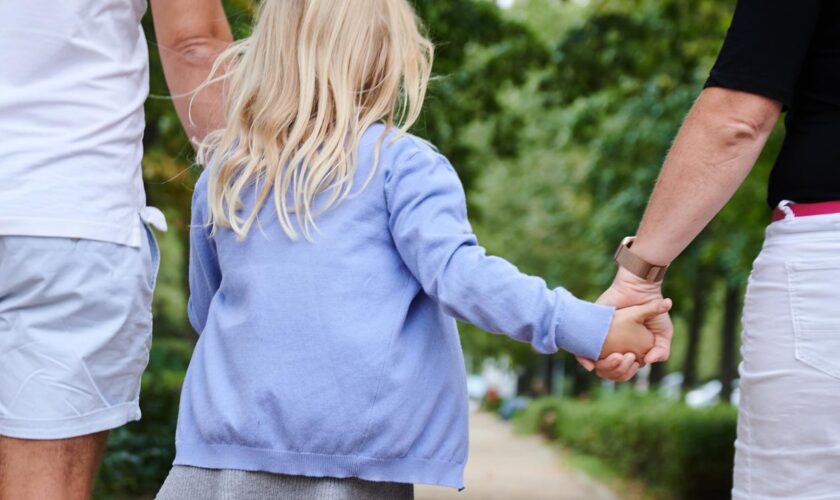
716 148
756 72
713 153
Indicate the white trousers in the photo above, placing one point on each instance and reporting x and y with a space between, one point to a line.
788 442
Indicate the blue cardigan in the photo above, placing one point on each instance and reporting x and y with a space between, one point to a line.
341 357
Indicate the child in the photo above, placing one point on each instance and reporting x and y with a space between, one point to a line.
330 256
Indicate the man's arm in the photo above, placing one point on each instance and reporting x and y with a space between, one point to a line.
190 35
717 146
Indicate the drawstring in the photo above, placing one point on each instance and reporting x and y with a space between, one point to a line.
154 217
784 206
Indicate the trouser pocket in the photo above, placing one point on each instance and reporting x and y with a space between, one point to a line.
815 309
154 255
152 217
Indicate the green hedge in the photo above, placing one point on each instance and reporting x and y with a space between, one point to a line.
140 454
687 452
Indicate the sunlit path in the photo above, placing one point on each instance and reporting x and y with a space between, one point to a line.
504 466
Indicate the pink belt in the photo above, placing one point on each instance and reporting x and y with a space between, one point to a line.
807 209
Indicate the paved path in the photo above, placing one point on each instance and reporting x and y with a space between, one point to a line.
503 466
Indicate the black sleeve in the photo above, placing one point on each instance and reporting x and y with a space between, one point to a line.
766 47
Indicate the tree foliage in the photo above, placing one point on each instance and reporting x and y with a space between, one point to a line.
596 124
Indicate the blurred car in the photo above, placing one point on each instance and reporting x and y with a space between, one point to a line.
708 394
476 386
670 387
512 406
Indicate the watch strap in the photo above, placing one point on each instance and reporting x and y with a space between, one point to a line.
625 258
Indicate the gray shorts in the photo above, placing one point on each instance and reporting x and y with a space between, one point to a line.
192 483
75 332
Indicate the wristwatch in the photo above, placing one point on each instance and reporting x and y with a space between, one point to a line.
637 265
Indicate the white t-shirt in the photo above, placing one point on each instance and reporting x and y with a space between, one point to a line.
73 79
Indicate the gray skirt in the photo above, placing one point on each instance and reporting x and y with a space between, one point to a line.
192 483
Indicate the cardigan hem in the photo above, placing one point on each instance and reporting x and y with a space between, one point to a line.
395 470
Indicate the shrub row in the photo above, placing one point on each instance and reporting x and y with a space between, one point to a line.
140 454
687 452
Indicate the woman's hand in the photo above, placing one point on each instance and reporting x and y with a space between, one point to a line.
629 331
629 290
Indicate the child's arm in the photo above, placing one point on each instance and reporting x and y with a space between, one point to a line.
204 274
428 221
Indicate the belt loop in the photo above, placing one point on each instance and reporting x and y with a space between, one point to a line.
784 206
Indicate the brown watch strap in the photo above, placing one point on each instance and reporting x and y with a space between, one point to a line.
636 265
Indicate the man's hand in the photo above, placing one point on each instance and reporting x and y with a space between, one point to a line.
629 290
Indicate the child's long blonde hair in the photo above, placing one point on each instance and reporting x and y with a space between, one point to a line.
299 94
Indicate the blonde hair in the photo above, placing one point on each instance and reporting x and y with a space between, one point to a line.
299 94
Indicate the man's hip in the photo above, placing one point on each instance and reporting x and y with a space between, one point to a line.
75 332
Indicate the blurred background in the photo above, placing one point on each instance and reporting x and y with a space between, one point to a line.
557 115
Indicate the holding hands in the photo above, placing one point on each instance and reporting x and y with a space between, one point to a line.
641 330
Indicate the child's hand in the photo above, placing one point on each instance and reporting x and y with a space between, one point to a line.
628 333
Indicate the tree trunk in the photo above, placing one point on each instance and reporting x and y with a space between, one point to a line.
731 312
525 383
695 326
549 374
657 371
581 379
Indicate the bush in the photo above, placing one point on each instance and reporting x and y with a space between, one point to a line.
686 451
491 401
140 454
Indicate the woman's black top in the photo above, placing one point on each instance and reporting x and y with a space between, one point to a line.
789 50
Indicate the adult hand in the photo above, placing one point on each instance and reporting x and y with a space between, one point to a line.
630 290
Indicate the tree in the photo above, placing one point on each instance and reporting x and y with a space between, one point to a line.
731 310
